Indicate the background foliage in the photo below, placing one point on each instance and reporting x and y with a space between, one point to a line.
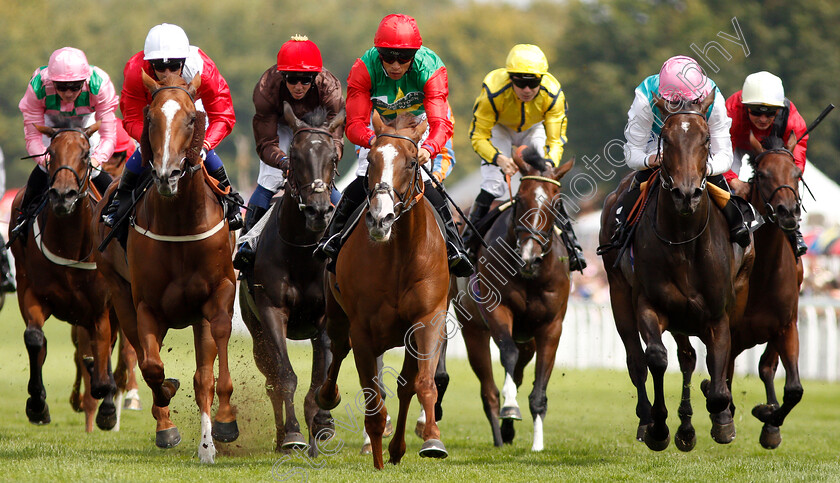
599 50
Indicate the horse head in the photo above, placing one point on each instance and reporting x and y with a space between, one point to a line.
685 143
394 182
775 182
173 130
313 160
535 211
68 166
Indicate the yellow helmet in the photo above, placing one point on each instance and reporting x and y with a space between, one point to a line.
526 59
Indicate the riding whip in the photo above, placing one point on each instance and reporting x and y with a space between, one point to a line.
440 188
119 222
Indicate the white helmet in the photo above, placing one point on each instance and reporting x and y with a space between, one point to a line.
166 41
763 88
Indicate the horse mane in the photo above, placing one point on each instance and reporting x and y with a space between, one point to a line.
533 158
770 143
316 117
69 123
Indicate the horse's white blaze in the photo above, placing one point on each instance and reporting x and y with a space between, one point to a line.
509 393
206 448
685 125
538 434
540 195
169 109
530 250
384 203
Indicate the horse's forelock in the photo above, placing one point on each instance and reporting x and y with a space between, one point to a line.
773 142
316 117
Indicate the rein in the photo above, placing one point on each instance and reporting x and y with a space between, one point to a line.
542 237
771 213
416 184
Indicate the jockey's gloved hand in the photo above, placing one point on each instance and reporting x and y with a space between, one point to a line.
203 154
533 158
284 165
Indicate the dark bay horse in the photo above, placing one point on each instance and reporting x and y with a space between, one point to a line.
525 266
683 275
390 290
56 275
181 227
284 297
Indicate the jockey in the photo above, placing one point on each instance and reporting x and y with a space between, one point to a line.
7 280
298 78
67 92
520 104
168 49
122 151
762 109
680 80
399 75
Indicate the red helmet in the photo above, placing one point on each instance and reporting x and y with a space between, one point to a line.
397 31
299 55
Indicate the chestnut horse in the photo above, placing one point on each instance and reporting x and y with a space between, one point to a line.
284 297
772 307
390 289
56 275
683 275
523 285
180 225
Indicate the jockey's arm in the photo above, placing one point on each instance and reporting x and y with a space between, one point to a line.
555 129
721 141
638 150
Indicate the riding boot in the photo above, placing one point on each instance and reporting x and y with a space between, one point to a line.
244 259
36 187
797 242
234 200
121 203
480 208
459 261
739 232
330 244
7 281
576 260
102 181
621 214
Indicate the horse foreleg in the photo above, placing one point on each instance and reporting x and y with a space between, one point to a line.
396 448
428 341
773 416
126 379
320 424
686 437
546 338
477 340
218 311
204 384
501 322
34 314
441 380
657 437
375 411
718 395
102 381
84 368
275 319
76 391
149 335
338 331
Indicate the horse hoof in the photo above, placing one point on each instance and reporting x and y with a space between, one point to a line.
704 387
76 402
656 444
771 437
106 417
389 429
167 438
174 385
685 441
640 432
37 416
323 403
763 412
132 404
433 448
294 441
225 432
507 431
419 428
723 433
511 412
366 449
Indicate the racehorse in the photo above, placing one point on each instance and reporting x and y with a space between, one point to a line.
390 289
683 274
56 274
181 226
525 265
284 297
773 304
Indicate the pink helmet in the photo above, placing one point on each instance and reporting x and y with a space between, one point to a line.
682 79
67 65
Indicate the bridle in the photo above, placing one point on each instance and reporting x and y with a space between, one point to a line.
192 167
542 237
316 186
403 202
771 215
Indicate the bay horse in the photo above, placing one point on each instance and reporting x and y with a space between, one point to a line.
772 308
284 296
525 265
181 226
56 275
683 275
390 289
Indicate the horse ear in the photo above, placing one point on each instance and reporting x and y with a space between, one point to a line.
93 128
46 130
291 119
337 120
561 171
419 130
378 124
660 103
195 83
755 144
151 84
792 142
707 102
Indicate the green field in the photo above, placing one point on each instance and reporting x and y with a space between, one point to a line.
589 430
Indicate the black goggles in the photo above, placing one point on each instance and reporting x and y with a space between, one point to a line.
162 65
68 86
298 78
759 111
522 81
389 56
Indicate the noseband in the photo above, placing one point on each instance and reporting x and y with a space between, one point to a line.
771 215
316 186
542 237
405 201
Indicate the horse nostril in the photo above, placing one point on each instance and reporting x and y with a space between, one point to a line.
52 193
388 220
368 218
697 193
70 195
310 212
330 209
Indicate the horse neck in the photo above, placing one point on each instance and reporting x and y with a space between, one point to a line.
413 227
192 205
72 233
769 236
669 220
